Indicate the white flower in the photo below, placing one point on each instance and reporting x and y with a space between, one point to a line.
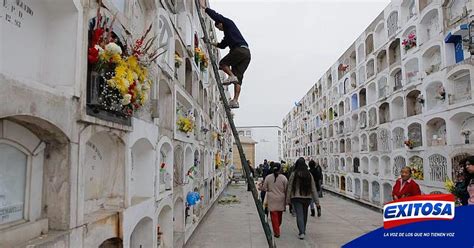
126 83
112 83
113 48
100 49
127 98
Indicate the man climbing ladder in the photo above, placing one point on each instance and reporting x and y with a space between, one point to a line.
236 62
258 203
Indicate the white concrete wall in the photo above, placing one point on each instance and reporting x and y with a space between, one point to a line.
312 131
90 179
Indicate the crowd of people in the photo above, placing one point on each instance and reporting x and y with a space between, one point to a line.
298 186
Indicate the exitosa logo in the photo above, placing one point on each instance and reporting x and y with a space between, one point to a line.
418 208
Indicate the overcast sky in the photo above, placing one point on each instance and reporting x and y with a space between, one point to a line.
292 44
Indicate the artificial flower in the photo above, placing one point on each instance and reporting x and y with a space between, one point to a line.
93 55
113 48
126 99
99 48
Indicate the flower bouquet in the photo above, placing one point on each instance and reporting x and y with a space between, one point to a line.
201 59
417 171
123 67
456 189
409 143
178 61
342 67
185 124
190 173
218 160
410 42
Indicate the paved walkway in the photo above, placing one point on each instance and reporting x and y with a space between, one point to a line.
237 225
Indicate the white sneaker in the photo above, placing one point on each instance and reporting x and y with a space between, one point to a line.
230 80
233 104
301 236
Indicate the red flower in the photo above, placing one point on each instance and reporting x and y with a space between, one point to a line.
96 36
93 55
162 165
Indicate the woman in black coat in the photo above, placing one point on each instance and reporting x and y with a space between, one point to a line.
317 174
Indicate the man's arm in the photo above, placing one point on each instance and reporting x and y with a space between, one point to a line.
222 45
215 16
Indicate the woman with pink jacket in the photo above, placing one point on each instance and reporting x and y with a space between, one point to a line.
275 187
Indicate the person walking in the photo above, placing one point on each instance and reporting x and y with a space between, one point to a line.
301 190
317 176
265 172
275 185
237 61
287 171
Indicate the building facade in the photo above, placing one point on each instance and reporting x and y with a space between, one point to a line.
80 168
400 95
269 142
248 145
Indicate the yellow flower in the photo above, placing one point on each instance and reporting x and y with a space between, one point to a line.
120 71
116 58
449 185
185 124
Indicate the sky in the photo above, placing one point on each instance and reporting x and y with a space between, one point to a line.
292 42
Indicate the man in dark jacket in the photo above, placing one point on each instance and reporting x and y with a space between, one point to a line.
236 62
265 172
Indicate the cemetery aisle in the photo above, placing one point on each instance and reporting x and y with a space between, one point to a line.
237 225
